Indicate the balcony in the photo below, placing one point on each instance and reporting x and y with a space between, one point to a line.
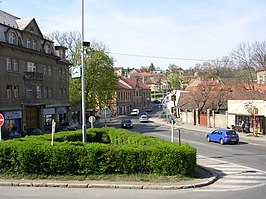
33 76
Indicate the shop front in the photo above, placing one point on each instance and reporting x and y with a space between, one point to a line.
247 116
13 122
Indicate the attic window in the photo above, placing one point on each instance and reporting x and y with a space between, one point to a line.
31 29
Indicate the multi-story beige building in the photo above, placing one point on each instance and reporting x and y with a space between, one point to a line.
130 94
34 76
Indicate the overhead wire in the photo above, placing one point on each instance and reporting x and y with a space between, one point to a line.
159 57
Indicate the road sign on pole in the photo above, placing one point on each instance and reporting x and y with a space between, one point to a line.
2 121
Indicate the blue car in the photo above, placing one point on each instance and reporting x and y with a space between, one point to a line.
223 136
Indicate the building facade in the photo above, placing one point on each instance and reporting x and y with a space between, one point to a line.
131 94
34 76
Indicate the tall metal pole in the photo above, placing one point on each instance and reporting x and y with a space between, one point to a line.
84 134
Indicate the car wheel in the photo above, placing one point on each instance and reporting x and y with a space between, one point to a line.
208 139
221 141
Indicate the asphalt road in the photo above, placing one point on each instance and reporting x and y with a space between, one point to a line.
242 170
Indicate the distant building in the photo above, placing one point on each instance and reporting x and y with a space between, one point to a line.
131 93
34 76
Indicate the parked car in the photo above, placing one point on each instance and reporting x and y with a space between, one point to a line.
126 123
67 126
156 101
144 118
33 131
12 135
148 109
223 136
135 112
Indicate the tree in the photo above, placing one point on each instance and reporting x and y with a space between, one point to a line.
175 81
151 68
100 79
244 59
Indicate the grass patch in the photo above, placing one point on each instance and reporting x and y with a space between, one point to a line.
147 178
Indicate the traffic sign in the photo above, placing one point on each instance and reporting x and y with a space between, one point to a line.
2 120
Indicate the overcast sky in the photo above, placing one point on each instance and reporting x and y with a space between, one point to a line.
162 32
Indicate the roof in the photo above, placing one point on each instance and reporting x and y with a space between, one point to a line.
8 19
16 22
143 74
135 83
214 100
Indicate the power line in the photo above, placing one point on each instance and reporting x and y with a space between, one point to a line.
159 57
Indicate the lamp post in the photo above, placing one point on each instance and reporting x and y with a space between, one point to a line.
84 135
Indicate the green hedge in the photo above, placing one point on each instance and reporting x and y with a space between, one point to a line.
108 151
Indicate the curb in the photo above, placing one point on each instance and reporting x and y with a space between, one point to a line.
206 182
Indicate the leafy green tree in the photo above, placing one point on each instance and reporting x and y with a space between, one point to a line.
175 81
101 81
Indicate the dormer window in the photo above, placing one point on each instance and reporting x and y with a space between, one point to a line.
12 38
47 48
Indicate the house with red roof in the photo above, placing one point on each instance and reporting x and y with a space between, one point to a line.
131 93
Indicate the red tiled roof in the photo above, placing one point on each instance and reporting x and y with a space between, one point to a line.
144 74
133 82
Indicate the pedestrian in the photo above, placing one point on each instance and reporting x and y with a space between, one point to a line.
243 126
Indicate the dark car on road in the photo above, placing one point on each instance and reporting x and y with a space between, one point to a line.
67 126
126 123
223 136
148 109
33 131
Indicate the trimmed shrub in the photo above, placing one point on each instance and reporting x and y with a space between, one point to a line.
108 151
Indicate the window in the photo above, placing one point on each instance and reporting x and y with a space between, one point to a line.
31 67
34 44
38 92
12 38
50 72
9 91
64 73
15 65
45 72
60 73
60 93
45 94
50 92
16 91
8 64
29 93
28 43
47 48
65 93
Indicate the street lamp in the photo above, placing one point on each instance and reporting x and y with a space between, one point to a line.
84 134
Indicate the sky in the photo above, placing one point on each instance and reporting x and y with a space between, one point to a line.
163 32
